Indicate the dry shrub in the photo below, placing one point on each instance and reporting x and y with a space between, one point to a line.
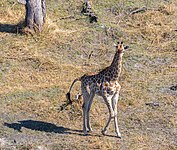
169 9
156 26
12 13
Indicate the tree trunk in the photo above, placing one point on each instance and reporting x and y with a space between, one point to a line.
35 14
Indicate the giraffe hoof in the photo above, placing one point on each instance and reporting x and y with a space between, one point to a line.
89 130
119 136
103 132
85 133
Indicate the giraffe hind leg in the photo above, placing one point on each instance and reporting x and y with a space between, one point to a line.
86 97
92 94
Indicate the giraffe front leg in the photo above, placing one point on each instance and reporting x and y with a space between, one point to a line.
104 131
111 113
116 127
114 103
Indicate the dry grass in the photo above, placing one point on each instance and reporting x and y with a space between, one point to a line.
36 71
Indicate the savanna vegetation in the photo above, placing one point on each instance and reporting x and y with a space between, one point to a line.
36 70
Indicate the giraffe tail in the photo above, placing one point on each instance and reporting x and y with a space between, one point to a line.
68 95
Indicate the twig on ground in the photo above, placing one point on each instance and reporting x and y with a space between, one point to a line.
142 9
152 104
90 55
67 17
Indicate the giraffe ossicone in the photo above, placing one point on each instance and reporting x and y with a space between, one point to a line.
105 84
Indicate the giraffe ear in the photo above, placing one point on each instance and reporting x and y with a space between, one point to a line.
115 45
126 47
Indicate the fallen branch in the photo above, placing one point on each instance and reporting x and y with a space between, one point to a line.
143 9
87 11
152 104
173 88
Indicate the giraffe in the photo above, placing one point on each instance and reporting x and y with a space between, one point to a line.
105 84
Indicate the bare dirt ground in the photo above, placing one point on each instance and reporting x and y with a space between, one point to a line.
37 70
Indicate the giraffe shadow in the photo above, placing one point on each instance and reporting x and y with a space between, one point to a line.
41 126
44 127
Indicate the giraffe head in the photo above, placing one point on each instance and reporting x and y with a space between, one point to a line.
120 47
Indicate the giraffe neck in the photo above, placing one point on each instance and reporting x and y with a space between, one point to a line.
116 65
